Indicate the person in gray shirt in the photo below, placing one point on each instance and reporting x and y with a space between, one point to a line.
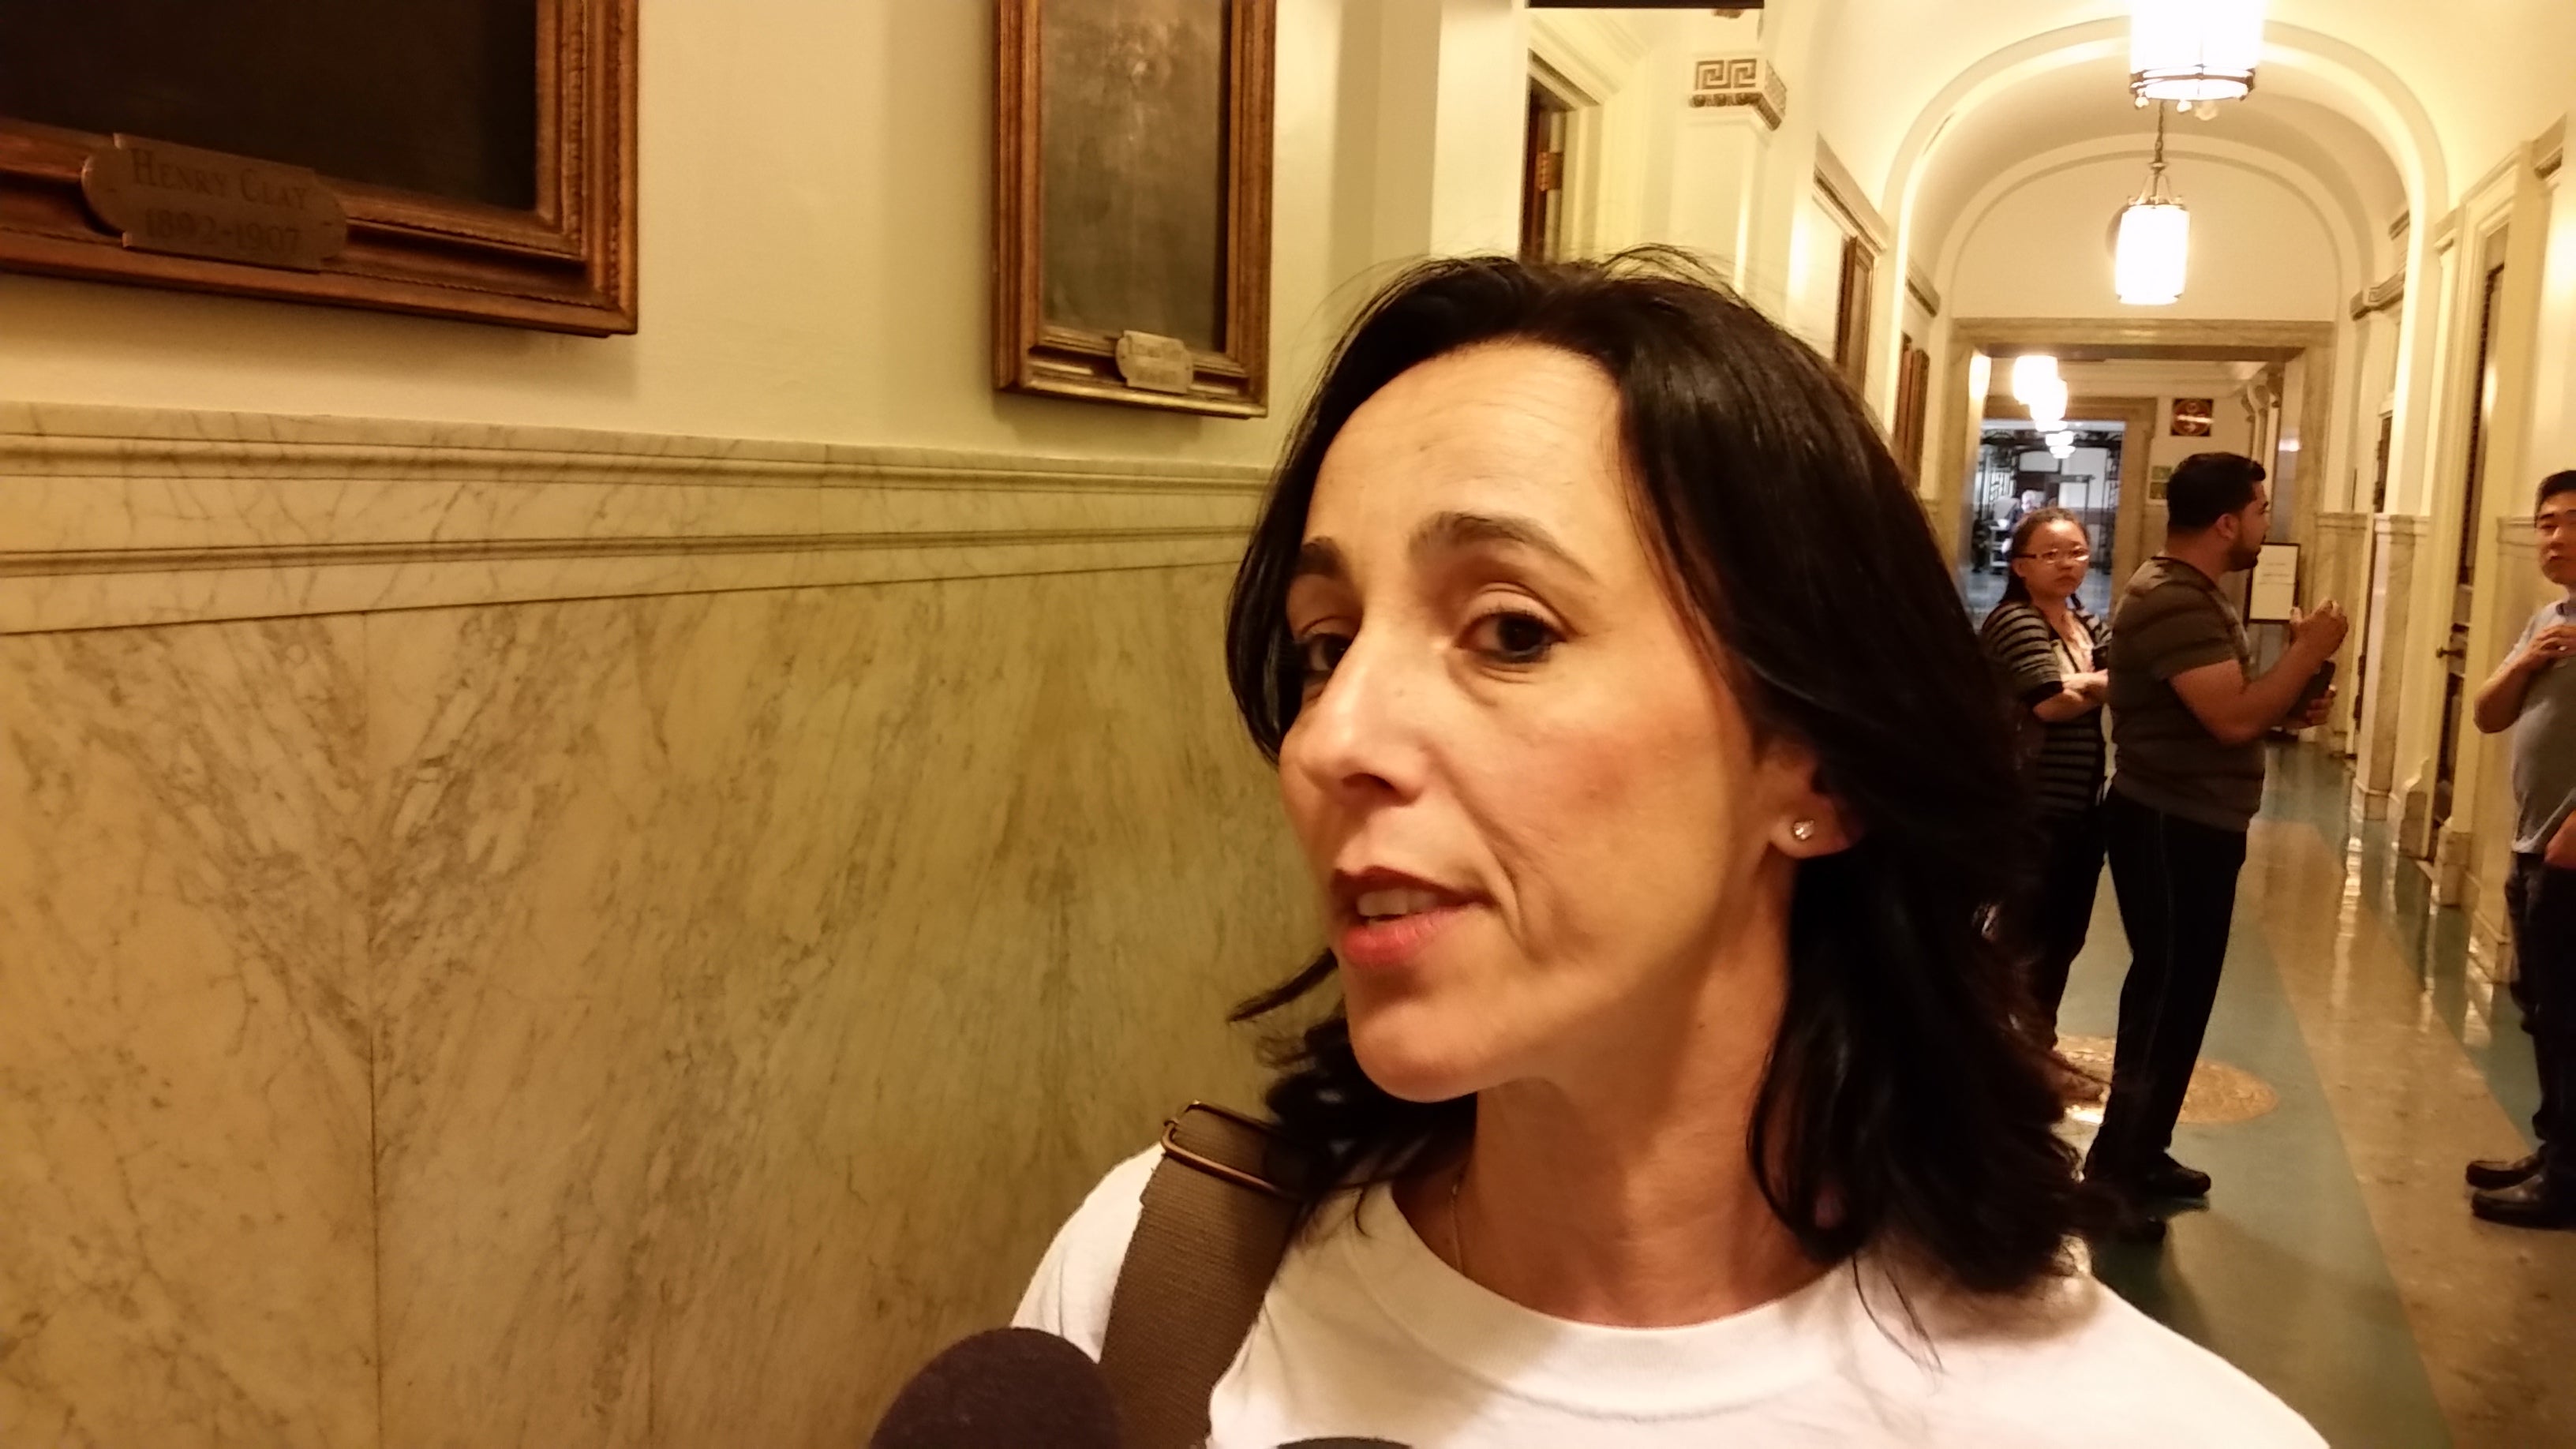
2534 695
2188 712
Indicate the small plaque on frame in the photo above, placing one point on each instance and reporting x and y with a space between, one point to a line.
194 203
1155 363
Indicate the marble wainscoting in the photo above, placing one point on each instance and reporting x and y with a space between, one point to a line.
2396 539
2341 572
587 970
187 1222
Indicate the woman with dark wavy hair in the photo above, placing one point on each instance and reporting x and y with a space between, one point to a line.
1664 1090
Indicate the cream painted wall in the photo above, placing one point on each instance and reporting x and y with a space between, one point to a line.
1431 132
1483 98
815 244
2553 433
2257 251
2228 433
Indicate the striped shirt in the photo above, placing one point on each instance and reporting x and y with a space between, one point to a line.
2172 620
2063 758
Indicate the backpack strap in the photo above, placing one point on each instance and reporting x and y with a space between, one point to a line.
1218 1214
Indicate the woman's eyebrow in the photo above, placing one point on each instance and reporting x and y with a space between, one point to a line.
1321 558
1443 532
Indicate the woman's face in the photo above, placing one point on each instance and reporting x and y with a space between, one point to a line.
1542 825
2054 561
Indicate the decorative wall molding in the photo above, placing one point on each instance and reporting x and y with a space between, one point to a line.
112 516
1843 191
2380 296
2083 338
1740 80
1596 51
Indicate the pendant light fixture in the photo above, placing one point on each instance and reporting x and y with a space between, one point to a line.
2031 374
2048 404
2194 51
2037 386
2155 238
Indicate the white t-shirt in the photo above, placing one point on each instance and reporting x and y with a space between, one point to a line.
1367 1333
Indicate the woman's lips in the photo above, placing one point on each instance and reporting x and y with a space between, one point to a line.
1394 942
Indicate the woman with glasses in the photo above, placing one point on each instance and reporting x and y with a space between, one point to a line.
2049 652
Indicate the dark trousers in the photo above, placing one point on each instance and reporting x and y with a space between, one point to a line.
2541 905
2176 883
2059 911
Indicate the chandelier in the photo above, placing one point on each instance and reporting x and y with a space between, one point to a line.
2194 51
2037 386
2155 238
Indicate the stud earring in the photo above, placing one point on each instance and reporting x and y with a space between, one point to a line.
1802 830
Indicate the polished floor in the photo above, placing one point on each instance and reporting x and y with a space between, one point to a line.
2337 1261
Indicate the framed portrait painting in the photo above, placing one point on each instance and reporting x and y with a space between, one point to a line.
1133 202
457 158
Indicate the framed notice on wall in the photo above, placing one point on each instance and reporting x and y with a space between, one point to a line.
1132 181
2274 591
459 158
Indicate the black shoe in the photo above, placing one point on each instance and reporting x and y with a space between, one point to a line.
2121 1210
2492 1172
2130 1222
2165 1177
2534 1202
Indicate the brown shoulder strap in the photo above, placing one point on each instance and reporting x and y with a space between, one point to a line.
1216 1222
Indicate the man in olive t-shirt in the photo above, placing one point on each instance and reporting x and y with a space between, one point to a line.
2188 715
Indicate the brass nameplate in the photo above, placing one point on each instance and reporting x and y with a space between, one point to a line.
1152 363
194 203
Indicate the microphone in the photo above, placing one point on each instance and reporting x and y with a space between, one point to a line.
1011 1388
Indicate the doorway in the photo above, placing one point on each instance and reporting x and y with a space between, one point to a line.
2017 472
1543 149
2455 649
2369 578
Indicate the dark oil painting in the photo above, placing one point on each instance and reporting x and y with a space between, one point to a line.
1133 154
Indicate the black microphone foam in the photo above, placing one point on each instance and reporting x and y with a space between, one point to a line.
1012 1388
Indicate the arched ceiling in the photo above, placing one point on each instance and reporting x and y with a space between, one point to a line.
2088 102
2487 74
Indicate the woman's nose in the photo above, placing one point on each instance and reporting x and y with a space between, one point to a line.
1359 732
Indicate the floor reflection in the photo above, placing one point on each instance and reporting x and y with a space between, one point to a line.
2336 1260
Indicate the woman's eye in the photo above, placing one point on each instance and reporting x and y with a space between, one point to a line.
1319 653
1515 638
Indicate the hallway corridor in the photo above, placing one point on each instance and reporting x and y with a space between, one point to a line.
2337 1261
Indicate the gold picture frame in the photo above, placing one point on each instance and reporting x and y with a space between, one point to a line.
1132 198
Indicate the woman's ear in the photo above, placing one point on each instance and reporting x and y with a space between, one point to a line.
1807 820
